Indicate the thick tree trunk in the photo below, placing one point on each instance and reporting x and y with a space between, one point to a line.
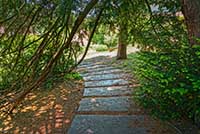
122 42
191 12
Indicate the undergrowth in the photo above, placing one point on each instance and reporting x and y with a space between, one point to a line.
169 82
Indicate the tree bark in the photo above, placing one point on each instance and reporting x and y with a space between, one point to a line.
191 12
122 42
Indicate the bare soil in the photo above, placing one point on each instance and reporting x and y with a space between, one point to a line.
45 111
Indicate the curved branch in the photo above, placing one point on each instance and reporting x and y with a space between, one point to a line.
55 57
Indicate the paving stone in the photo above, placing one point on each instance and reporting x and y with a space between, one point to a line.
107 91
114 104
94 70
103 77
92 67
107 124
102 72
99 69
103 83
91 64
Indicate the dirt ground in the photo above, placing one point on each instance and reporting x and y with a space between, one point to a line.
93 53
45 111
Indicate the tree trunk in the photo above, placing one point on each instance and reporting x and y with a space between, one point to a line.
122 42
191 12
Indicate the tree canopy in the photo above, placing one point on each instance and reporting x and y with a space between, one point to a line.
37 43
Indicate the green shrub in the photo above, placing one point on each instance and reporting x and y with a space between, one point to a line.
169 82
14 65
98 38
111 41
53 79
101 48
73 75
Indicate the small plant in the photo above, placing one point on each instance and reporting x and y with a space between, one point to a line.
73 75
170 84
101 48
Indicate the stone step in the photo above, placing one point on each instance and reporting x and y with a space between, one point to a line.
102 72
92 64
104 77
105 83
92 67
107 91
107 106
98 69
109 124
118 104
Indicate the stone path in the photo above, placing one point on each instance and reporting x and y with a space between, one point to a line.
107 106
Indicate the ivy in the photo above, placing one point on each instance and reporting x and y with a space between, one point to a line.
169 83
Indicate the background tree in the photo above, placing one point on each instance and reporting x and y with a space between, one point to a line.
116 18
191 13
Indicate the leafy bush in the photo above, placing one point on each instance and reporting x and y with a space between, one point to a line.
14 66
73 75
111 41
169 72
101 48
98 38
51 81
169 82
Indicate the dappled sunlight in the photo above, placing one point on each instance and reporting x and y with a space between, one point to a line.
110 88
93 100
92 53
44 111
29 108
30 96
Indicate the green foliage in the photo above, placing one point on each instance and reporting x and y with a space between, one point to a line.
52 80
36 41
73 75
111 41
170 84
14 70
168 66
105 36
101 48
98 38
11 65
